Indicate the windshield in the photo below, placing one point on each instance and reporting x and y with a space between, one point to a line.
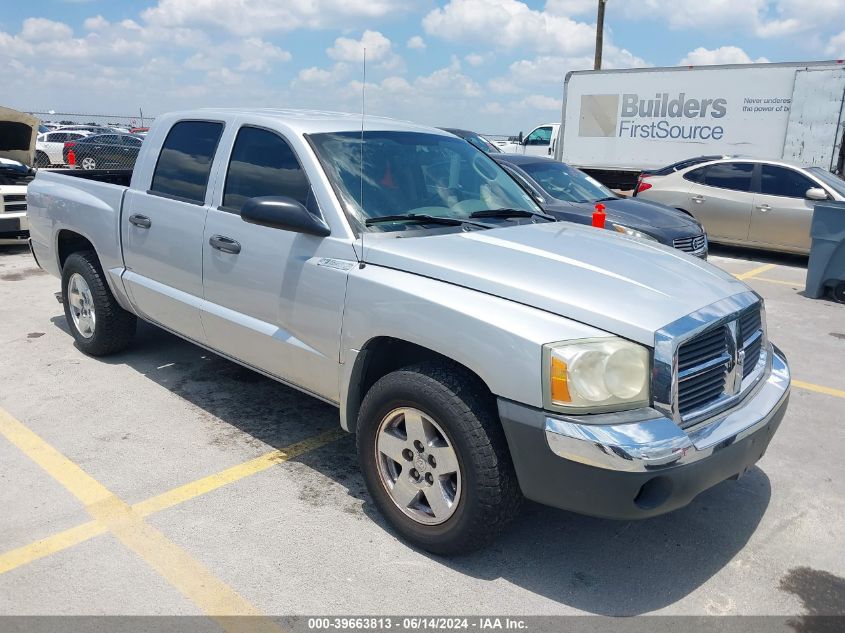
831 180
410 172
566 183
482 143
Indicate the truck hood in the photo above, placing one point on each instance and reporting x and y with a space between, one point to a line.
618 284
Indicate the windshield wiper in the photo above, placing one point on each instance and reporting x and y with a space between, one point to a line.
606 199
423 218
510 213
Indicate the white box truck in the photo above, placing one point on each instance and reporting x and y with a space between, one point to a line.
616 123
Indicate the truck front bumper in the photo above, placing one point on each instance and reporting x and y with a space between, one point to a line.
638 464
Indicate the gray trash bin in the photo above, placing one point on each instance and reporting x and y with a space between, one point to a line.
826 268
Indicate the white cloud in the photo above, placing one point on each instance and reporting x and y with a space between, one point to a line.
349 50
43 30
477 59
540 102
246 17
572 7
723 55
416 43
760 18
836 46
97 23
508 24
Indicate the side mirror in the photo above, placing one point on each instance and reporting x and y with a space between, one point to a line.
278 212
519 138
816 193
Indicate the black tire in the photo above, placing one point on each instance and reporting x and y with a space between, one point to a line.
115 327
838 292
465 410
41 159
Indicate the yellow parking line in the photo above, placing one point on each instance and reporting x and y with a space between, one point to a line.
213 482
68 538
755 271
186 574
52 544
780 281
830 391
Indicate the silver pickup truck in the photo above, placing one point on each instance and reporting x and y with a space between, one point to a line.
481 352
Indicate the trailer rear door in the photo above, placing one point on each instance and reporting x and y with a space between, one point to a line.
816 118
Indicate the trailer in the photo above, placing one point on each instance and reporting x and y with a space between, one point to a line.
618 123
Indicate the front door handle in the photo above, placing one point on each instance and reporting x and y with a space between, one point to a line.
141 221
698 199
225 244
764 207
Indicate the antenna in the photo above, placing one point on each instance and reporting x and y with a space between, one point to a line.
361 263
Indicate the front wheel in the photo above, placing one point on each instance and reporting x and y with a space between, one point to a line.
97 322
435 459
88 163
838 292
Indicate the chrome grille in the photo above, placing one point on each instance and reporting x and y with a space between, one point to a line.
751 337
12 203
690 244
703 365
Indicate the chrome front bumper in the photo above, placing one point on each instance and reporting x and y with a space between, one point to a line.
646 441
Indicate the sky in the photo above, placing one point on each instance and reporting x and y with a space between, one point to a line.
494 66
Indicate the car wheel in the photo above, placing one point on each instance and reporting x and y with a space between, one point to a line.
838 292
435 459
41 159
97 322
88 163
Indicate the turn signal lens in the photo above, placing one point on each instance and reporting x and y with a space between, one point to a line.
559 384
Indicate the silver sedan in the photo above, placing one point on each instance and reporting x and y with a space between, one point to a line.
764 204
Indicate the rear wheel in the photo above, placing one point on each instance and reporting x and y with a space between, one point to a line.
88 163
435 459
838 292
97 322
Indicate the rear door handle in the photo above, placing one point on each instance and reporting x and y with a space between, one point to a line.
764 207
225 244
141 221
698 199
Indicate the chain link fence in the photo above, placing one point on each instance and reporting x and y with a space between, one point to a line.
89 141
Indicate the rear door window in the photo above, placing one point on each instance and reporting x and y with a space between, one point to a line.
263 164
733 176
696 175
785 182
184 163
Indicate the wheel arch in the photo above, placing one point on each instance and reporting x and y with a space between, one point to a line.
69 242
378 357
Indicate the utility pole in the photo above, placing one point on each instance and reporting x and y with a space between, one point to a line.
599 34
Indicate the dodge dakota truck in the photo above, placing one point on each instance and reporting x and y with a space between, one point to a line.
482 353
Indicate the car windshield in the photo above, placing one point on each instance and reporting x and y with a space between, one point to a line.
482 143
414 173
831 180
567 183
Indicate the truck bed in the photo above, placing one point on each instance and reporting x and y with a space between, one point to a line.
120 177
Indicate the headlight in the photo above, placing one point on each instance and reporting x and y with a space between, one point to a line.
619 228
595 375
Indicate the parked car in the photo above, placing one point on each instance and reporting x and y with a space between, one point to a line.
103 151
681 164
475 139
747 201
14 178
93 129
477 360
49 147
570 194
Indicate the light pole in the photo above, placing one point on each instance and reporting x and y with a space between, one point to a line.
599 34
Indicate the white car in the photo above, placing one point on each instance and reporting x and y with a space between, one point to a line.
49 146
540 141
14 178
752 202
